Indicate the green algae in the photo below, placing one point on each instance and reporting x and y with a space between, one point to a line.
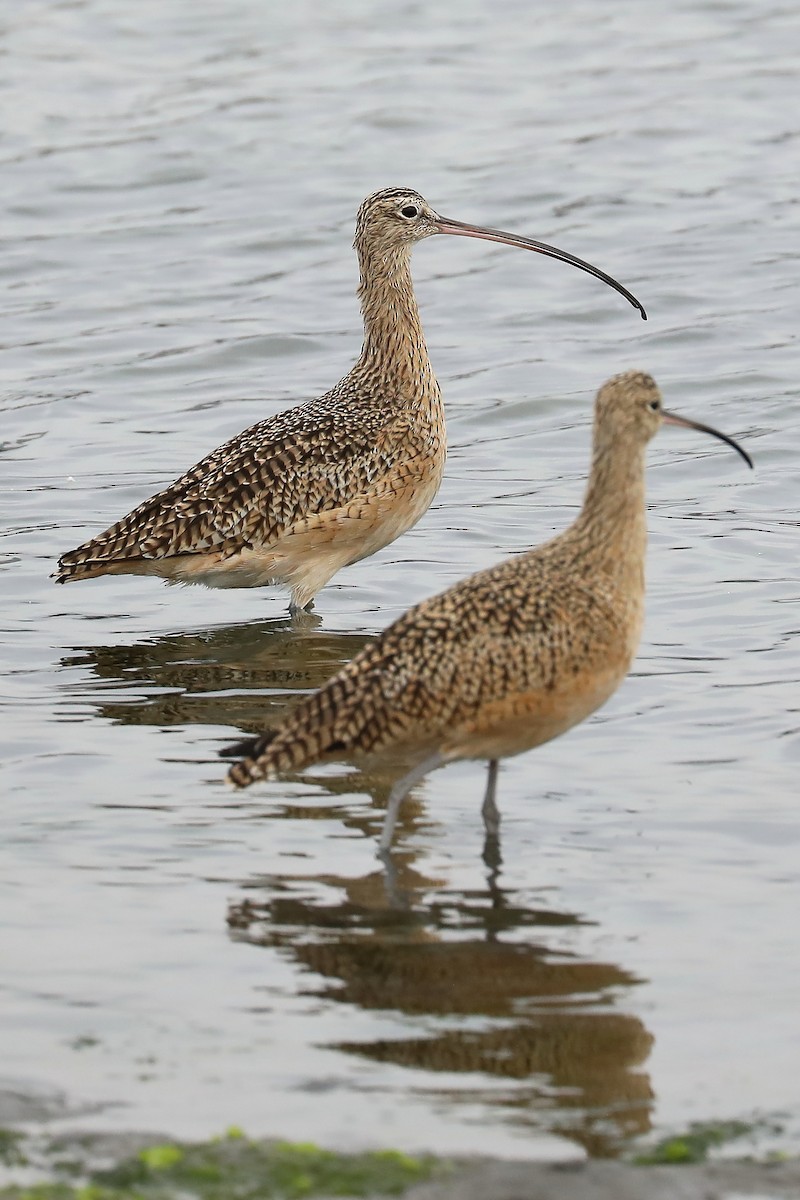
235 1166
696 1143
11 1152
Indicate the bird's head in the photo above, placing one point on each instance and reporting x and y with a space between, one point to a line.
393 219
630 407
389 222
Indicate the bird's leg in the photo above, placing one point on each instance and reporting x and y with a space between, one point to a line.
396 897
490 811
398 795
491 823
492 858
301 619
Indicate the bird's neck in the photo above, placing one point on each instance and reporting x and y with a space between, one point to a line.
394 351
611 530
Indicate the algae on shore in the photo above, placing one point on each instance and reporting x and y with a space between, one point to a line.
223 1167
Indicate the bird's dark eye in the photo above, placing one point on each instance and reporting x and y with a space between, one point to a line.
409 211
654 405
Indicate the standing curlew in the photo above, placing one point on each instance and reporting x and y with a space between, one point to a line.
509 658
296 497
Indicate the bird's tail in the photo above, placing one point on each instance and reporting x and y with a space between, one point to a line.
106 554
74 566
248 751
349 715
304 737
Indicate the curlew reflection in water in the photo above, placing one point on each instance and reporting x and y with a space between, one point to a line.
245 676
242 675
533 1030
482 998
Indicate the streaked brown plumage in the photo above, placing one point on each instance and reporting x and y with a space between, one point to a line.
296 497
512 656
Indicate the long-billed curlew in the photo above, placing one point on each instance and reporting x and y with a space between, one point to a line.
298 496
508 658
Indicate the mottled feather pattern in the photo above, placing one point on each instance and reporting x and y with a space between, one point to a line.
317 457
518 627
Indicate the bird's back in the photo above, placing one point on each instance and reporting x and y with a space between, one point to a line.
301 474
502 661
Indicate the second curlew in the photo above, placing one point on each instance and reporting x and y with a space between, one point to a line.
509 658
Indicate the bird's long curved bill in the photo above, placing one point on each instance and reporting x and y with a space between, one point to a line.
445 225
685 423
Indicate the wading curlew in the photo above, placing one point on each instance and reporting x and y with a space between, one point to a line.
508 658
298 496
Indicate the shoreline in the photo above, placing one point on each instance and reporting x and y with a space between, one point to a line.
80 1164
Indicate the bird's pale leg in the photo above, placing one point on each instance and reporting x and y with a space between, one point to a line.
398 795
490 811
396 897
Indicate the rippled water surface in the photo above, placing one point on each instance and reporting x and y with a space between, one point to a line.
179 187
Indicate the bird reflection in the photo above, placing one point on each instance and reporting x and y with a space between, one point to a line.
245 676
551 1028
242 675
474 972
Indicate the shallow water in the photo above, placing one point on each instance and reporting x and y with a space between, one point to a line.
180 184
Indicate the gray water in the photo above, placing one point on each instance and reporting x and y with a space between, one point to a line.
179 183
